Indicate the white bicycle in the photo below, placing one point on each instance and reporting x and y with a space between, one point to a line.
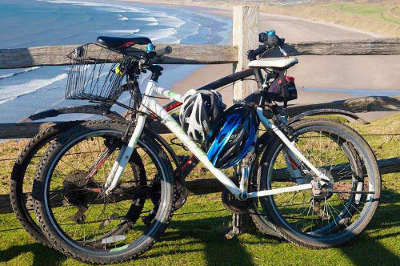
105 190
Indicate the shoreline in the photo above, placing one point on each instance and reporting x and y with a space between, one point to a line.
221 10
349 71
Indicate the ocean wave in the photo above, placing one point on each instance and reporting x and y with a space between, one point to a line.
121 32
18 72
150 19
156 35
168 20
153 21
122 18
165 19
11 92
101 6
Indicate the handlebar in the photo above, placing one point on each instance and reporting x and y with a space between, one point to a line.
254 53
270 41
163 51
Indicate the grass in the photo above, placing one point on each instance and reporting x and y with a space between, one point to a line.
196 233
379 12
198 239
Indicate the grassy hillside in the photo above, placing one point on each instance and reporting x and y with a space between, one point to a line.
381 17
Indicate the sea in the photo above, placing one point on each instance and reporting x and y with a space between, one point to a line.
30 23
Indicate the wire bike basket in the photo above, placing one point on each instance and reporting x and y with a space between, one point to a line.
96 74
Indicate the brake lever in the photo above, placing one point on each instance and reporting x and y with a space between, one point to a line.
158 60
283 52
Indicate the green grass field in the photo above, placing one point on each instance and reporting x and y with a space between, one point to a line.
196 233
198 239
377 12
382 17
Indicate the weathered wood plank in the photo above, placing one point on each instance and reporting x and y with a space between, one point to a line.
22 130
204 54
378 46
384 46
356 105
206 186
195 187
29 130
57 55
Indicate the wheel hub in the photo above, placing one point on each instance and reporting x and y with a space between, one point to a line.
322 191
77 191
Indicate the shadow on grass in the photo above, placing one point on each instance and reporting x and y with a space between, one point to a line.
211 233
368 248
42 254
372 247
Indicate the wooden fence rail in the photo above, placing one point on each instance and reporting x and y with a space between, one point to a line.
206 186
356 105
202 54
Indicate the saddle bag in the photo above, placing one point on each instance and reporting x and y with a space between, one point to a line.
282 89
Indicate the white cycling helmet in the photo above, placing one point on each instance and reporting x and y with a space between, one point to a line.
200 111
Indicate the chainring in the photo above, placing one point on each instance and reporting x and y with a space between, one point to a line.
232 204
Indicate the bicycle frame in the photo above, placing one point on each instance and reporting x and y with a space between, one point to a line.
149 104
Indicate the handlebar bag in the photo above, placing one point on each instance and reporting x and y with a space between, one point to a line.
282 89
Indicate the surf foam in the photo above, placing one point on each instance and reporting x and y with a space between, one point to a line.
18 72
11 92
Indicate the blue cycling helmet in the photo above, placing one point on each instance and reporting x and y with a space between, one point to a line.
234 136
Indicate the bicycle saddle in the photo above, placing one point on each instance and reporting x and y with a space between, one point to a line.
120 43
276 64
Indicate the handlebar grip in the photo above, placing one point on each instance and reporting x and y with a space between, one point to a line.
261 49
163 51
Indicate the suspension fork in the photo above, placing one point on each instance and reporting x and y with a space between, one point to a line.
124 156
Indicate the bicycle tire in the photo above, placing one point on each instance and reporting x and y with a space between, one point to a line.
338 237
18 177
63 242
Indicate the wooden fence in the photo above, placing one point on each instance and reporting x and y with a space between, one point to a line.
245 37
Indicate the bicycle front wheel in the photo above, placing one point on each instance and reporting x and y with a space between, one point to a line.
343 209
77 216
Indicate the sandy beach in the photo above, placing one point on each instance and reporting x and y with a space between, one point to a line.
318 78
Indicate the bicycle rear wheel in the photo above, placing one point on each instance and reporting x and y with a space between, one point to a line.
22 177
73 210
344 209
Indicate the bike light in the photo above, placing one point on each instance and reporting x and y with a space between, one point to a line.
150 48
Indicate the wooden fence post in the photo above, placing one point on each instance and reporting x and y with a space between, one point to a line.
245 37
